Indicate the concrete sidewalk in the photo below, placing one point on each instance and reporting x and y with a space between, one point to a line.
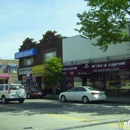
118 99
113 99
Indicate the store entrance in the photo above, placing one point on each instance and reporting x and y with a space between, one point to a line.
3 81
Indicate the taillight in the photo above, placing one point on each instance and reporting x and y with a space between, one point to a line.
24 88
9 88
93 93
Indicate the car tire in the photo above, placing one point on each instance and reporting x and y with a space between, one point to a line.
21 101
85 99
4 100
63 98
28 96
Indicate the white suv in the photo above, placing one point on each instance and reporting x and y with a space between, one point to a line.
12 92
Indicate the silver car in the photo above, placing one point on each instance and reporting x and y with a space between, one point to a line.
12 92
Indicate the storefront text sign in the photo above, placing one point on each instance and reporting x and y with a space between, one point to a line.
23 71
104 65
26 53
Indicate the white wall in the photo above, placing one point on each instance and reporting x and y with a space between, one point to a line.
79 49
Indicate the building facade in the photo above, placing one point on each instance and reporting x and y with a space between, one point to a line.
8 71
85 64
32 58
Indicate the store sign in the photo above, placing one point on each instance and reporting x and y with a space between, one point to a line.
88 68
70 68
115 66
23 71
26 53
107 66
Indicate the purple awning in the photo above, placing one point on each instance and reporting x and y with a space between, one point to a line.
88 68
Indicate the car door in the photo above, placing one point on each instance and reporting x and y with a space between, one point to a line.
0 91
71 93
80 93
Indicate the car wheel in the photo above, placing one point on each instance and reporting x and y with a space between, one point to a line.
28 96
63 98
21 100
4 100
85 99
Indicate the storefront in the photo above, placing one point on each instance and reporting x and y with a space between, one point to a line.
25 72
4 77
76 76
38 76
112 77
25 76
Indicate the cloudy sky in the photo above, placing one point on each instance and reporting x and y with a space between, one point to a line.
20 19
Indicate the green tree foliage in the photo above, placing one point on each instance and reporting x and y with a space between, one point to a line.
52 73
105 21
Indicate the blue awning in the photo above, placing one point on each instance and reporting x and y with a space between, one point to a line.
12 65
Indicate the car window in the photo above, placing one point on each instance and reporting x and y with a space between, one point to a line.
1 87
92 88
6 87
16 86
80 89
73 89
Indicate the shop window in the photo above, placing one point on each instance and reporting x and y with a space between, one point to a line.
118 83
100 80
77 81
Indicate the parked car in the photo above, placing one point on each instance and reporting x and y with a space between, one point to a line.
12 92
82 93
34 92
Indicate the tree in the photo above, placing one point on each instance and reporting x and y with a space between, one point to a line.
52 73
105 21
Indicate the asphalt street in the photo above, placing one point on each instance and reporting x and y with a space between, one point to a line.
43 114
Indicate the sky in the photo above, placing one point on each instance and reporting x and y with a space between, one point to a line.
21 19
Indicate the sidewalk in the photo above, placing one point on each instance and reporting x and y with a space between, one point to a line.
120 99
112 99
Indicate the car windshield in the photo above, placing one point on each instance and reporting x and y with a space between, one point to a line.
16 86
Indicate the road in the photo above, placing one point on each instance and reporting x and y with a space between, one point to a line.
43 114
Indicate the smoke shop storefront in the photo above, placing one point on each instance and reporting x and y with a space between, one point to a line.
112 77
76 75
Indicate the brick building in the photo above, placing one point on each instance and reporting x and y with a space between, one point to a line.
32 57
